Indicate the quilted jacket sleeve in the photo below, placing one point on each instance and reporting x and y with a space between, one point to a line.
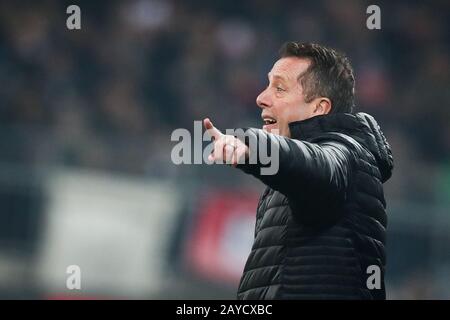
308 173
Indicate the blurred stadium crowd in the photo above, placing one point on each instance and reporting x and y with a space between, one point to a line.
108 96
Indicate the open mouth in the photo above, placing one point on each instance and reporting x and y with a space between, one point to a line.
269 121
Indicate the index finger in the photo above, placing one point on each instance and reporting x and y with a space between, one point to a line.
213 131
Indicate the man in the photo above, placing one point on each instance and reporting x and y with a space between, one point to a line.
321 222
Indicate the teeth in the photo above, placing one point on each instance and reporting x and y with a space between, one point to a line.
269 121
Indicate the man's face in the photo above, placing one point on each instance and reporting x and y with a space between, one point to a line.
283 101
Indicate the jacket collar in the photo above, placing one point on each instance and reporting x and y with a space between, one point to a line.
312 127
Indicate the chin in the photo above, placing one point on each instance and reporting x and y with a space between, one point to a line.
271 129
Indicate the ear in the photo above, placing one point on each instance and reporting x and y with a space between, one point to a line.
322 106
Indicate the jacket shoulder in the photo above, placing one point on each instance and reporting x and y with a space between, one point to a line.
341 140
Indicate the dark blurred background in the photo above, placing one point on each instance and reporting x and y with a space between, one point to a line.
86 117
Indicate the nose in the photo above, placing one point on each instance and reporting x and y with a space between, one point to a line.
263 100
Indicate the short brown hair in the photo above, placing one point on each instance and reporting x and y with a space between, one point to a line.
329 74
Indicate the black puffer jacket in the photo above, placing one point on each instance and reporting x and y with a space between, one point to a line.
321 222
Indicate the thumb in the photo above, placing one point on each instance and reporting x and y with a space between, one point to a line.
213 131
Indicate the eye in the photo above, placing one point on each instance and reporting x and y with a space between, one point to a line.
280 89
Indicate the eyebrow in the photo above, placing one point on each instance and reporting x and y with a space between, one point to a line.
277 76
